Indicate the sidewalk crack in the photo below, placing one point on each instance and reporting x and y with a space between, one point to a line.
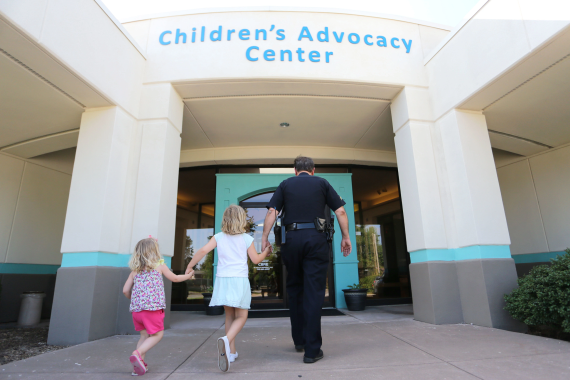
193 352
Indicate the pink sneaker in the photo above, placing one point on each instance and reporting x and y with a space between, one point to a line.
138 365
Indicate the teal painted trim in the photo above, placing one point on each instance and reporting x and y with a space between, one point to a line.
233 188
346 262
100 259
13 268
543 257
466 253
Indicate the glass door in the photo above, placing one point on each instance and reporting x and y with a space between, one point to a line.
268 279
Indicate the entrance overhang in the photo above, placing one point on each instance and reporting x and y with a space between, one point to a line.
280 155
239 122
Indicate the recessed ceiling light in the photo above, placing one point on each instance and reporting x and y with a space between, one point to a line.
284 125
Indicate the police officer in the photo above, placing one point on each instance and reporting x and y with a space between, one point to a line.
305 251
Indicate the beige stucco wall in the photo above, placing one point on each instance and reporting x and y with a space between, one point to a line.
537 205
33 201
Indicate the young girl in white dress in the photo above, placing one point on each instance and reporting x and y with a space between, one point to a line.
231 289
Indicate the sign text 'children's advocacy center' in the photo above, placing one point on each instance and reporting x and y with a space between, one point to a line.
254 54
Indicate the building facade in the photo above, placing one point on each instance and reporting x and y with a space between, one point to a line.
451 148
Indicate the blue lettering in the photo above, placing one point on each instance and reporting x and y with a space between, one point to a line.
337 38
288 52
393 43
219 34
356 36
366 37
381 41
257 31
268 55
203 33
281 34
178 35
161 38
300 54
408 46
243 34
325 35
305 34
327 55
230 31
248 51
314 56
193 34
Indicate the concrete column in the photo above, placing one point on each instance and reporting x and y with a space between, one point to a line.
455 223
123 189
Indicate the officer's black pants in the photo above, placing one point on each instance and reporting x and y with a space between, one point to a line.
306 256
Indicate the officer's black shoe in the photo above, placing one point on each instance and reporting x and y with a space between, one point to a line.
315 359
300 347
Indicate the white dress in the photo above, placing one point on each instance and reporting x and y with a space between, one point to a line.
231 287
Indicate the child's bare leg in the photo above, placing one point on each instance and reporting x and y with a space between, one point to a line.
149 343
144 336
230 317
237 325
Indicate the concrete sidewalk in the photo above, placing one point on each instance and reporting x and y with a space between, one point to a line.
379 343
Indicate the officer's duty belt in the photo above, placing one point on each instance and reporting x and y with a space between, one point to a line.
299 226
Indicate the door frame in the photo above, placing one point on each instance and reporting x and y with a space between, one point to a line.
234 188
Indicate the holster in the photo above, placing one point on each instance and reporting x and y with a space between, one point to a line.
320 224
279 230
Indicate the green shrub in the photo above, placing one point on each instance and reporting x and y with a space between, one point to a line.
367 283
543 296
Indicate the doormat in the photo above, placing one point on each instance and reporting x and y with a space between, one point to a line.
284 313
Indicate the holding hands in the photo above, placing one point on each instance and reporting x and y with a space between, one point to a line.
189 275
268 249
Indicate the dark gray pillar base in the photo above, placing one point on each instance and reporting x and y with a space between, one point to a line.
465 291
483 284
435 292
89 304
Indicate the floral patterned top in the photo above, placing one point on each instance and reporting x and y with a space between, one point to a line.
148 292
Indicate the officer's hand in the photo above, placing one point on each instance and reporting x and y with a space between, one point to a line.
264 243
345 246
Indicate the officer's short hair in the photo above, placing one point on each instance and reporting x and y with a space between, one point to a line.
304 164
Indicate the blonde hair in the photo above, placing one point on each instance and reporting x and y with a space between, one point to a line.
234 220
146 256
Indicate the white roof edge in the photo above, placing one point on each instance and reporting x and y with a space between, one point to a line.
284 9
119 25
455 30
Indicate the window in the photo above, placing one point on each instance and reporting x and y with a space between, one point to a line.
383 266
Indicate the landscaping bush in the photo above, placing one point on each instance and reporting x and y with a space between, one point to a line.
543 296
367 283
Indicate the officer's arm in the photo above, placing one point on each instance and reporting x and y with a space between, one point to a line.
267 224
345 244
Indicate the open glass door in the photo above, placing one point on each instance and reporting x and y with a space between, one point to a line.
268 278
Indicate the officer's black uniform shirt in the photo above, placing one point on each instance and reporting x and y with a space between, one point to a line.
304 197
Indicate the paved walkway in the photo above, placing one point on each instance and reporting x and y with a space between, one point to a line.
379 343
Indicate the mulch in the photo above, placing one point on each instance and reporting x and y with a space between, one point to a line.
22 343
549 332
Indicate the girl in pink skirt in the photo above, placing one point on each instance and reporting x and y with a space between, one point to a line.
145 289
